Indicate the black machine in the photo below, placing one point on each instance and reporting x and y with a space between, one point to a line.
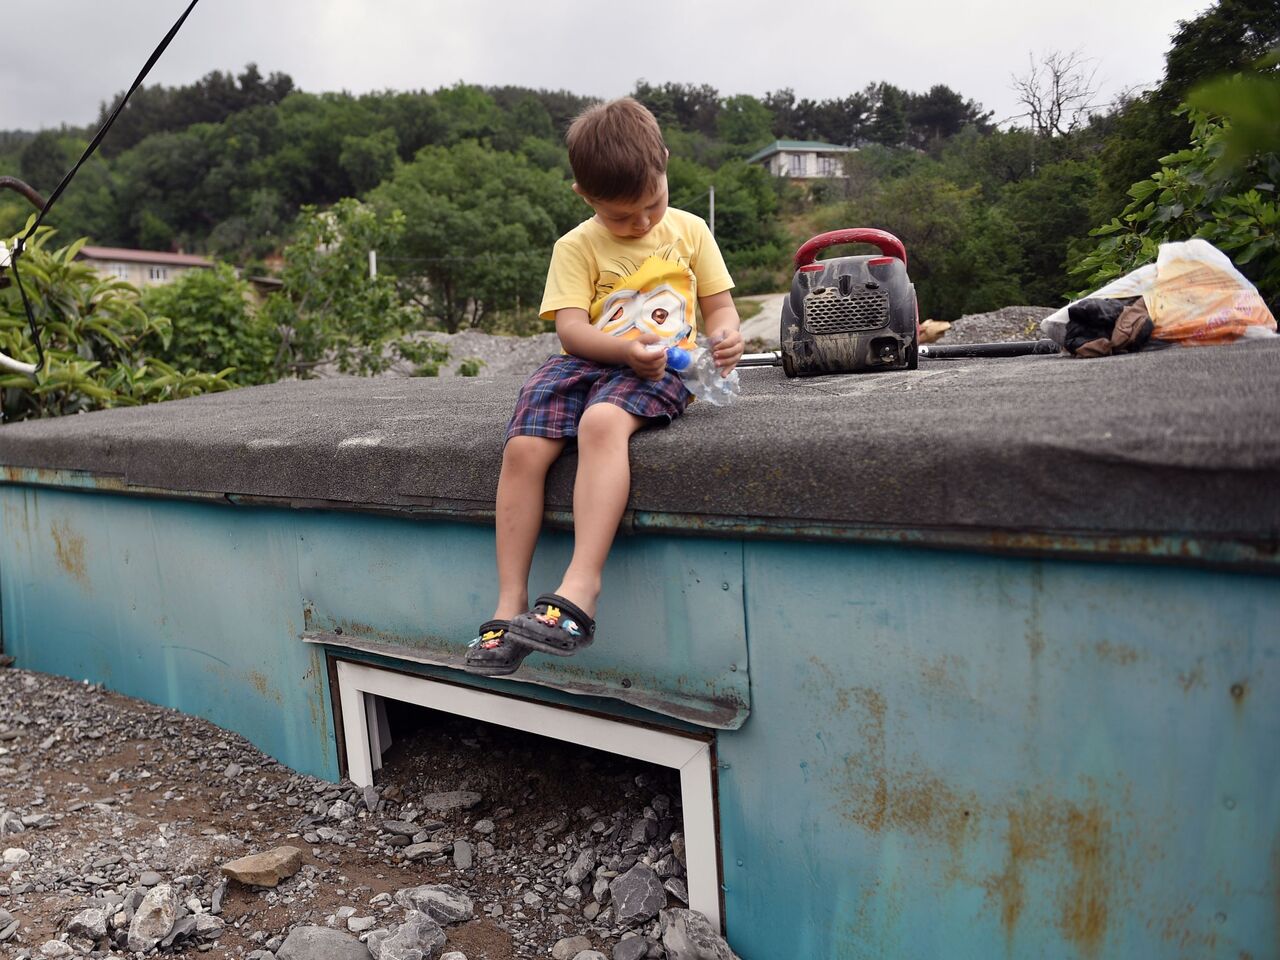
847 314
850 314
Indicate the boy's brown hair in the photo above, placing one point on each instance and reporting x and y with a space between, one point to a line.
616 150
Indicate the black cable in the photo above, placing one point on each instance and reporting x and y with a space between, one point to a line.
20 244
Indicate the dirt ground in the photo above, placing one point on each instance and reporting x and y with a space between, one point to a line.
112 788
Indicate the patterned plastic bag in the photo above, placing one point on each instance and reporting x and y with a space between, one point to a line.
1200 298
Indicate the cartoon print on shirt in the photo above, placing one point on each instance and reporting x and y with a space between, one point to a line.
655 298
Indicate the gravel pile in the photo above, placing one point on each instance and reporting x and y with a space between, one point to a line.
128 829
1007 323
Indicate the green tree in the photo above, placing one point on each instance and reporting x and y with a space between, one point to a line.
744 121
369 159
213 327
479 226
97 341
330 309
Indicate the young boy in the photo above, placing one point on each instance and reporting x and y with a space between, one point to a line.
622 286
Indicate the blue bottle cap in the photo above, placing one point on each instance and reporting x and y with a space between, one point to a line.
678 358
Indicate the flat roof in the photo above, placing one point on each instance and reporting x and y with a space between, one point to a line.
817 145
156 257
1180 442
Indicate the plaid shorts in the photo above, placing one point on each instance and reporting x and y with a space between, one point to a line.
554 398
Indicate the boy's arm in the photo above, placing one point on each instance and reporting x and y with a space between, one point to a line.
580 338
720 318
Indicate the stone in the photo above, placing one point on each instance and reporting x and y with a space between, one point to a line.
600 890
676 887
453 955
688 935
462 855
590 955
7 932
483 826
430 848
569 947
91 923
633 948
149 878
321 943
572 896
637 895
15 855
484 849
451 800
370 797
265 869
399 827
181 928
591 910
582 866
532 899
154 918
440 902
209 927
54 949
418 938
341 810
361 924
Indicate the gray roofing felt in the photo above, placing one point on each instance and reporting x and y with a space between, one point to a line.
1176 441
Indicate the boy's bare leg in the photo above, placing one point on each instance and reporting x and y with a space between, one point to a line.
600 492
518 517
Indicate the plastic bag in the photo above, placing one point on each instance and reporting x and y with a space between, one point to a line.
1194 293
1200 297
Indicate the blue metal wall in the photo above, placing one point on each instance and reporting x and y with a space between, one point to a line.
943 754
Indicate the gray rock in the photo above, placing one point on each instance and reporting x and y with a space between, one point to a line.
483 826
637 895
431 848
676 887
453 955
91 923
321 943
10 822
442 903
6 918
400 827
591 910
15 855
688 935
582 866
569 947
55 949
370 797
154 918
590 955
462 855
341 810
181 928
361 924
632 948
7 931
209 927
149 878
418 938
484 849
600 890
450 801
215 904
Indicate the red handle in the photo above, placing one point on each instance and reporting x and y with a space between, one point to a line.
889 245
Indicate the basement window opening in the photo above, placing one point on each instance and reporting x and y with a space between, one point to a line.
549 778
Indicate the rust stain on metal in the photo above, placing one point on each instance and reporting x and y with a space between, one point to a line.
69 548
1239 691
1192 678
1116 653
260 683
1084 907
1026 841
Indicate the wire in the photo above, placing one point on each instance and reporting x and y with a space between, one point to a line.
20 243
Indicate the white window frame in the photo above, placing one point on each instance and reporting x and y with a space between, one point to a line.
360 688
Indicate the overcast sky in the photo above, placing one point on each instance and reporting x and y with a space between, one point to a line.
66 56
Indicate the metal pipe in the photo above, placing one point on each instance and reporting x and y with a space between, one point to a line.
771 359
1012 348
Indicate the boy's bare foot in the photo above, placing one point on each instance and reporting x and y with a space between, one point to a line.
583 593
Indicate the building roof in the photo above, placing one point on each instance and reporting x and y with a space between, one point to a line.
798 146
1029 454
155 257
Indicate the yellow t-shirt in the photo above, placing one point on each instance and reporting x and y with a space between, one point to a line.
650 284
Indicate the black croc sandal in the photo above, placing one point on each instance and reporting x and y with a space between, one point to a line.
492 653
554 625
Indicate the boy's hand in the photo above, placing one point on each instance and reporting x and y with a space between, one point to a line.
726 350
648 361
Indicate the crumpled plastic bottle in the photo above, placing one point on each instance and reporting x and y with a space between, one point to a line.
698 370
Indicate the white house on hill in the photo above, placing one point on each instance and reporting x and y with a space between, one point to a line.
802 159
142 268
